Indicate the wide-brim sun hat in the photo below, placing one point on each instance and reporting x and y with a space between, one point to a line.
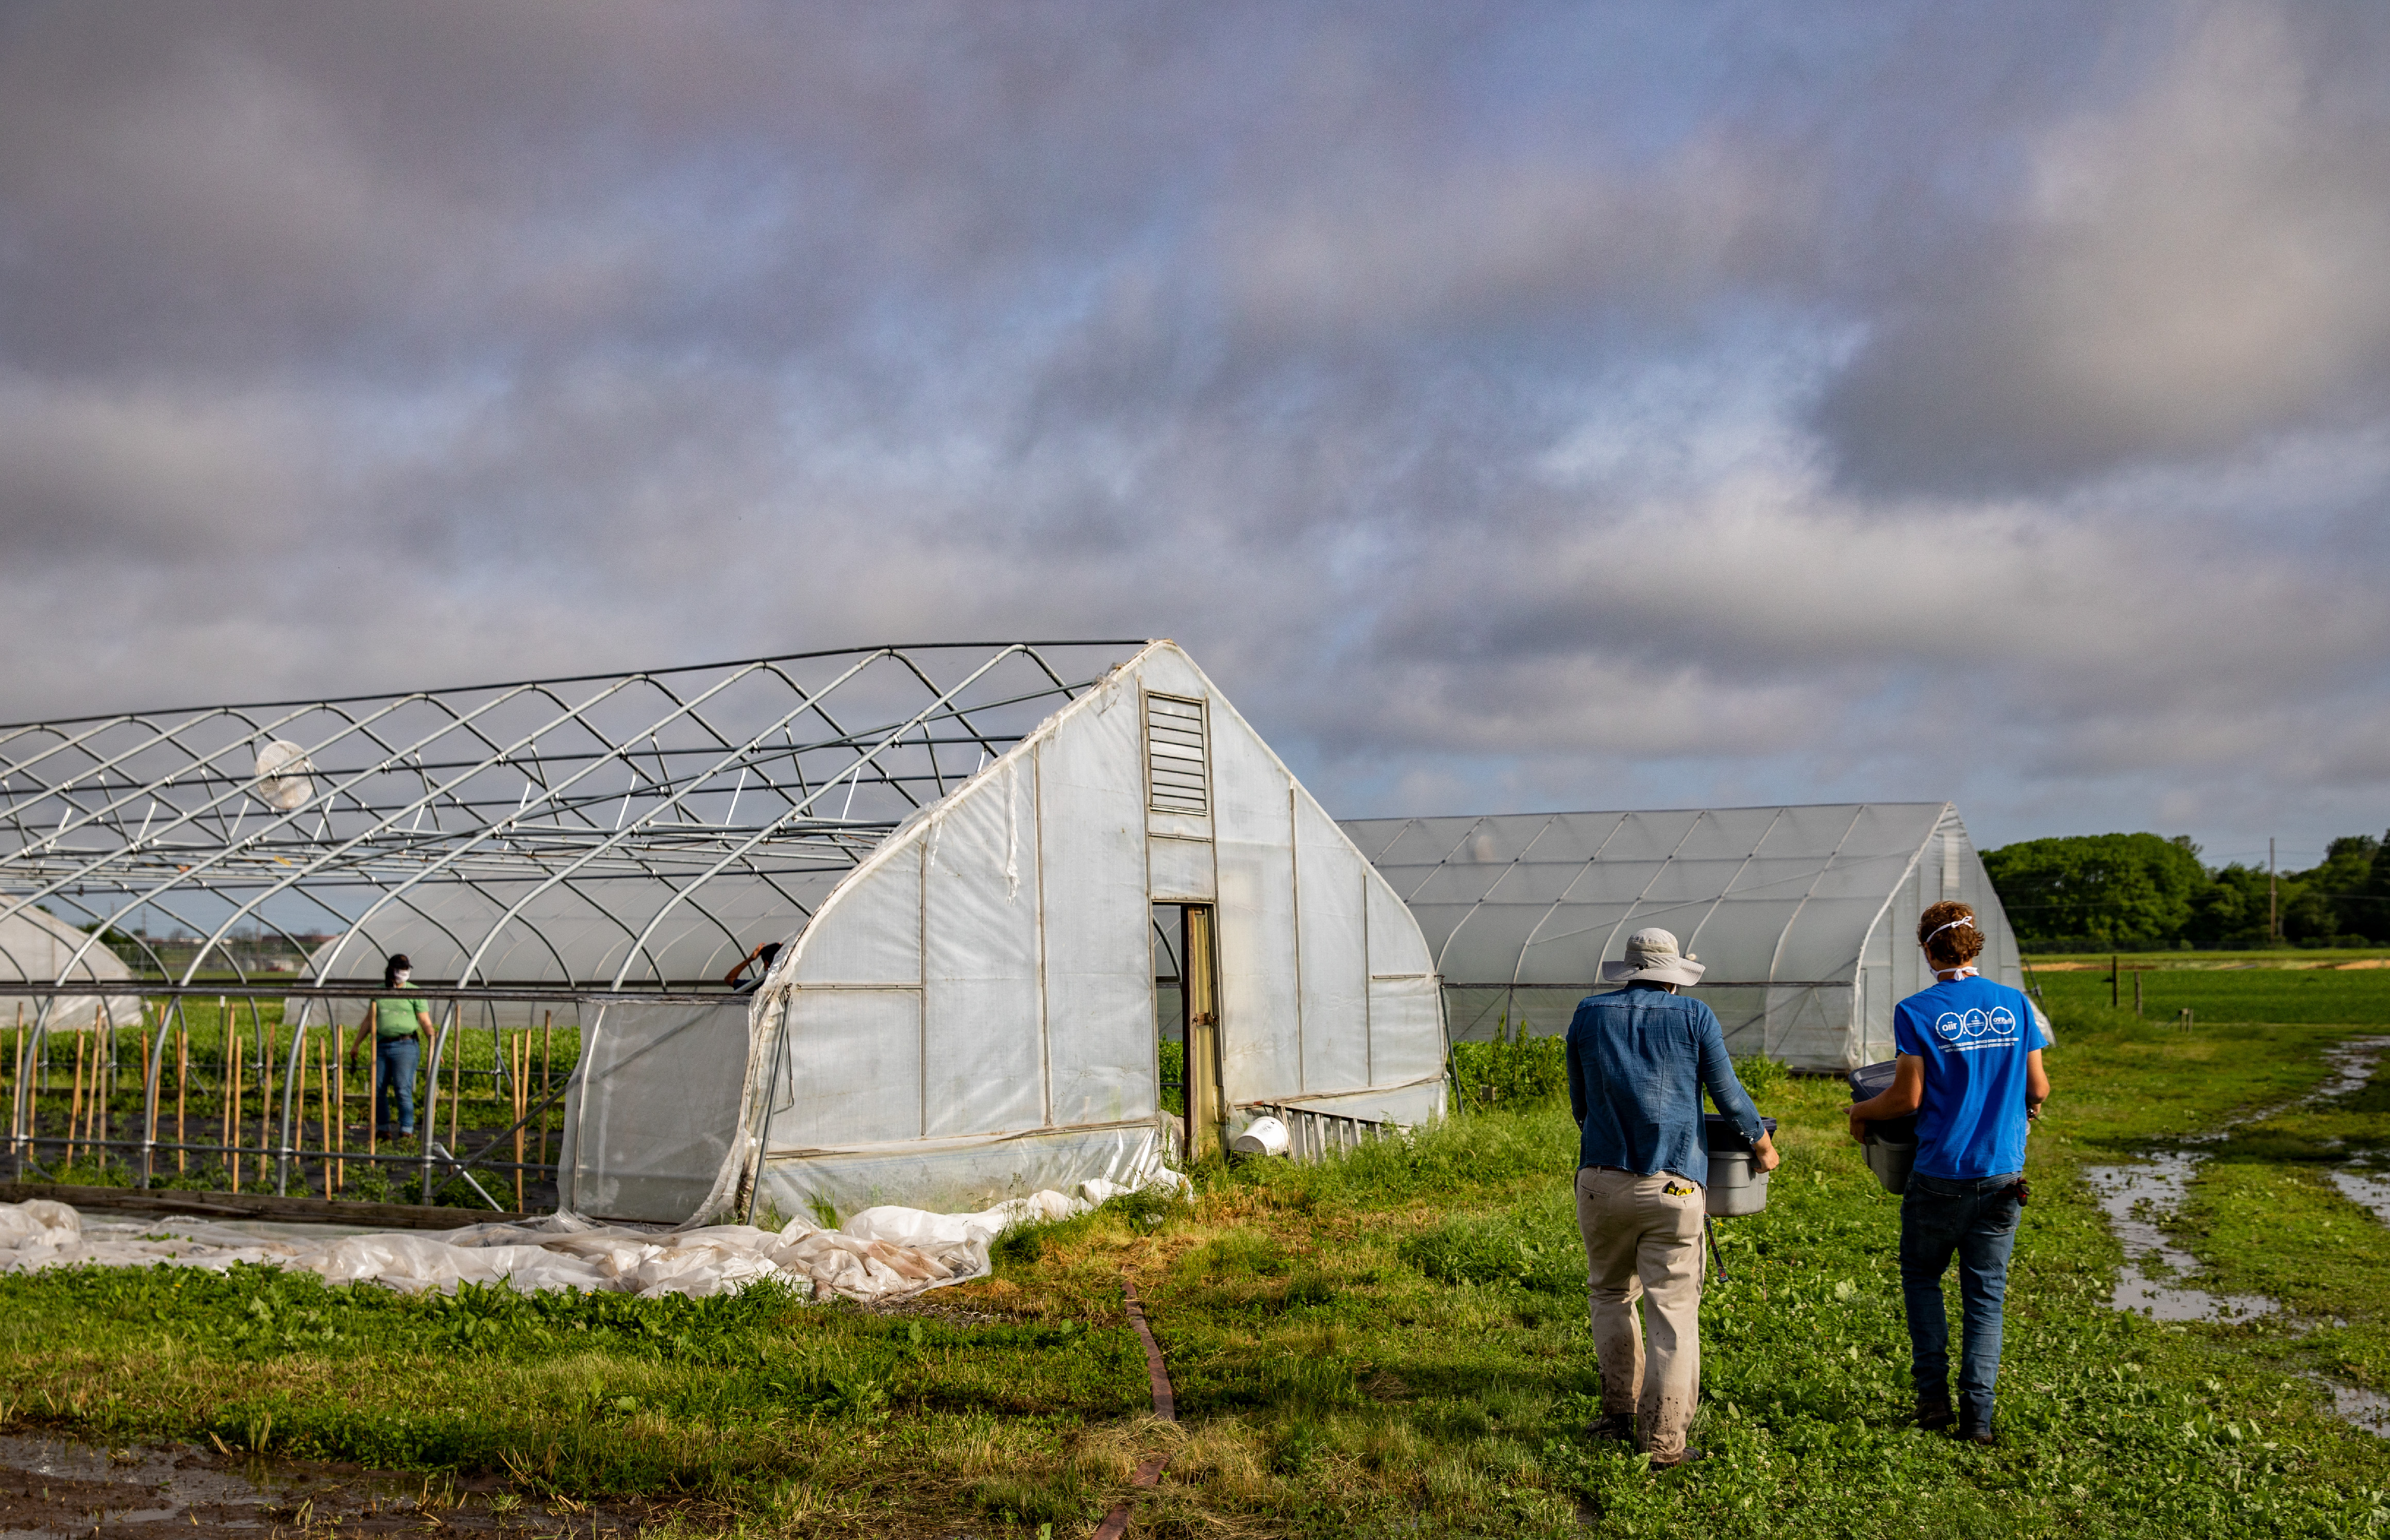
1653 954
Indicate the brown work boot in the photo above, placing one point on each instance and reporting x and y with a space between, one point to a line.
1687 1455
1610 1425
1933 1413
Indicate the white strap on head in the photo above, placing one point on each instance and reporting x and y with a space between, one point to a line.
1967 920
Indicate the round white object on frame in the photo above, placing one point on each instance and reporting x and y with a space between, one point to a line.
282 772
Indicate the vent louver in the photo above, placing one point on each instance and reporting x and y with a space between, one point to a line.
1175 773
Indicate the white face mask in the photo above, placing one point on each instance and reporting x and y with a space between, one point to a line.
404 974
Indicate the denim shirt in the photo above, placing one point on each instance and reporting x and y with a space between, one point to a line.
1637 1062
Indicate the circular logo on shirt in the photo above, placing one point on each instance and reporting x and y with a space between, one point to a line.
1949 1026
2003 1021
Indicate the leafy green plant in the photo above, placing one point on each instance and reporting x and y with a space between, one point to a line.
1531 1250
1516 1069
1762 1077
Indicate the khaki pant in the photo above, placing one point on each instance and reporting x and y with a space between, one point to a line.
1641 1240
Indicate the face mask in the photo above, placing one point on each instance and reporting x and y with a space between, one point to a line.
404 974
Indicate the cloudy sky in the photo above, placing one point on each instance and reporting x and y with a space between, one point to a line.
1514 406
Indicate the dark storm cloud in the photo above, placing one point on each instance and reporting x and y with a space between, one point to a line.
1517 405
2184 269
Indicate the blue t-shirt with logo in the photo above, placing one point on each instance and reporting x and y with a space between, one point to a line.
1972 1035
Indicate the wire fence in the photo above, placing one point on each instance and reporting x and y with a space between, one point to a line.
263 1090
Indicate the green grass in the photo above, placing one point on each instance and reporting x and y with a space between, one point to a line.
1392 1343
2217 995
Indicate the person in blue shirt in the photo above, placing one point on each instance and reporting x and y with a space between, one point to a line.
1969 1067
1637 1062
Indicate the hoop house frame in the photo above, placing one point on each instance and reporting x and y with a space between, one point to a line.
538 841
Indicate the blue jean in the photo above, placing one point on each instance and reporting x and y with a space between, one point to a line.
1976 1219
394 1062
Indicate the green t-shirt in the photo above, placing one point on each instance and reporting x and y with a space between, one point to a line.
396 1018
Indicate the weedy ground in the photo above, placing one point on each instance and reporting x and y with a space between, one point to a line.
1391 1343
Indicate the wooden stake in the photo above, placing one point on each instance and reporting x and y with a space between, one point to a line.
373 1080
181 1087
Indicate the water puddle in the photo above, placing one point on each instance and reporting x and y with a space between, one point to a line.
2352 1065
2368 1409
2142 1199
52 1489
2139 1201
2371 1192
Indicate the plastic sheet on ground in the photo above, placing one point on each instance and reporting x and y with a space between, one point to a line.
882 1254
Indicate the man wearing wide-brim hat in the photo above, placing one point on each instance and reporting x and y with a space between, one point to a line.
1638 1060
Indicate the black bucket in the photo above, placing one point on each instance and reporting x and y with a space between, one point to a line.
1890 1145
1737 1185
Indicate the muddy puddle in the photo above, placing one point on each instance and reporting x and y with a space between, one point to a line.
2142 1199
51 1489
2366 1189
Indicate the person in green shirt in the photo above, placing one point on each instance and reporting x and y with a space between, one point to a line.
401 1029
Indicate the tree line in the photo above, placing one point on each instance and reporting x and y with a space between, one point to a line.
2143 892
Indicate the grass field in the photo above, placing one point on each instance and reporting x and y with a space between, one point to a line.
1393 1343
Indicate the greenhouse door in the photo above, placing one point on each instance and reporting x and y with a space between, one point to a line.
1207 1110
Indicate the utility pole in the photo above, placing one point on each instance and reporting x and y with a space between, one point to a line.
2273 910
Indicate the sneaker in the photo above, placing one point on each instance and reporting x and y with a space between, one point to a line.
1686 1455
1933 1413
1612 1425
1976 1435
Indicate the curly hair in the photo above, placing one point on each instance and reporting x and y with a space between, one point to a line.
1955 944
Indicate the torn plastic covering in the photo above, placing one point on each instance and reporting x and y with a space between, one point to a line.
652 1115
880 1254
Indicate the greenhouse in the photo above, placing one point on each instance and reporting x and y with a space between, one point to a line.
36 946
1806 916
999 876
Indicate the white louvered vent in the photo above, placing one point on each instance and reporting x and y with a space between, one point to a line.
1176 775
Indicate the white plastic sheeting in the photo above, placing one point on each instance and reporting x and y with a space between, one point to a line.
652 1111
1806 916
883 1254
970 1016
